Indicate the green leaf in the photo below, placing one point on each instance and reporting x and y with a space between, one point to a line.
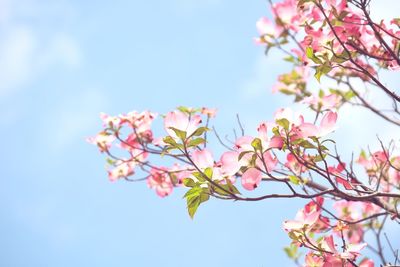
323 148
321 93
194 191
232 187
339 59
199 131
208 172
286 91
284 123
328 140
275 131
181 134
363 154
252 161
342 15
290 59
294 179
349 95
194 197
110 161
319 158
243 153
229 189
302 2
310 54
189 182
173 177
304 143
199 176
170 140
221 192
292 251
196 142
188 110
204 197
192 205
322 70
256 144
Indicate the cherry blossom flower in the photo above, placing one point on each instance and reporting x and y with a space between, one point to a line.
160 180
181 121
251 178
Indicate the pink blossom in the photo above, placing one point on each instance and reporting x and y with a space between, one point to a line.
370 208
287 13
158 142
327 125
269 163
181 121
347 209
313 260
394 171
109 120
210 112
352 251
160 181
251 178
123 169
305 217
266 142
326 102
103 141
244 143
294 165
230 164
141 122
203 158
267 30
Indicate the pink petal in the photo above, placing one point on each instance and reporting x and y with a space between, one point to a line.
328 123
203 158
251 178
230 162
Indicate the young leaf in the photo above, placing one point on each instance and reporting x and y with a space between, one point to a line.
310 54
256 144
208 172
294 179
189 182
242 154
195 191
169 140
199 131
181 134
284 123
322 70
192 205
196 142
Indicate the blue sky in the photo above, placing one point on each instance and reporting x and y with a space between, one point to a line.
62 63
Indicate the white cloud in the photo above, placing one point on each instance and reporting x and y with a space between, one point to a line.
63 49
26 51
16 58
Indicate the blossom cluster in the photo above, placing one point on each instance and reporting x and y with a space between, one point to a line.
335 38
323 236
285 150
250 157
